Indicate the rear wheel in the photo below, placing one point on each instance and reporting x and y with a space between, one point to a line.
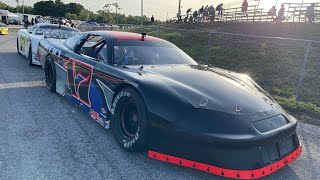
50 74
129 123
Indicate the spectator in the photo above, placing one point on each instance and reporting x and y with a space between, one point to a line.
188 12
152 19
179 16
36 20
212 13
195 15
244 7
206 13
26 22
281 13
40 20
219 9
201 9
310 13
206 9
32 22
272 11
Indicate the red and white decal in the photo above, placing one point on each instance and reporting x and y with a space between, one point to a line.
78 70
94 115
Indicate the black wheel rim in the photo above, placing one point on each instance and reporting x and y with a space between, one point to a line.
129 120
50 74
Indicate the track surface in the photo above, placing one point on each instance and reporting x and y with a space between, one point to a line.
42 136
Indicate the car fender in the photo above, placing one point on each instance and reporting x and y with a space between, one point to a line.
23 35
154 92
33 42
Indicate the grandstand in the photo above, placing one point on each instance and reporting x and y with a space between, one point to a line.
294 12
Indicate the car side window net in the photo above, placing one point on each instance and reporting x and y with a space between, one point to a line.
92 47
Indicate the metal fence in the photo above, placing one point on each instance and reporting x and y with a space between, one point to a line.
285 67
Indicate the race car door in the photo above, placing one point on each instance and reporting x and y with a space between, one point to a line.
83 91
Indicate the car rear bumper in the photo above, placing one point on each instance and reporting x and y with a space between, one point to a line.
4 32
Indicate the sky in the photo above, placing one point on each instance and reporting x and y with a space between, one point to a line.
159 8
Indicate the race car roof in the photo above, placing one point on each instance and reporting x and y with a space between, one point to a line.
122 35
56 26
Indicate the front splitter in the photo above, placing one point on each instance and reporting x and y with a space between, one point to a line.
236 174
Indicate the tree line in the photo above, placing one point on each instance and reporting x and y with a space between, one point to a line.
110 13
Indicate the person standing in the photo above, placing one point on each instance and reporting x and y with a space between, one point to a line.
32 22
179 16
281 13
219 8
212 13
195 15
188 11
36 20
26 22
310 13
152 19
40 20
273 11
244 7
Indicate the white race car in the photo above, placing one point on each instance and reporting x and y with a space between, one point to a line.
28 39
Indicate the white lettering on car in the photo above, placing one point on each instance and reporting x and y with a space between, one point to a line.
130 143
131 83
52 50
115 102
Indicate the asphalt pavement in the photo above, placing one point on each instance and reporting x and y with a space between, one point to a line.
42 136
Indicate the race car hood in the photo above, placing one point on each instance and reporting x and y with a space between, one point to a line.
214 89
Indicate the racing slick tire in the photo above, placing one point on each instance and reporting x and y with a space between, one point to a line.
129 123
30 57
18 49
50 74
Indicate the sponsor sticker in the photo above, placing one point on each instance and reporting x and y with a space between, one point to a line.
131 83
94 114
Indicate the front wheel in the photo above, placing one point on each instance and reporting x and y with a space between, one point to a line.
50 74
18 48
30 57
129 123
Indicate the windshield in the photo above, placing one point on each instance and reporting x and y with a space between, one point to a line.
57 33
150 54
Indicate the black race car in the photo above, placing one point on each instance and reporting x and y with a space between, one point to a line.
154 96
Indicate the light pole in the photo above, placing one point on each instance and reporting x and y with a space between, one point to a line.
141 12
179 12
23 7
17 6
179 8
